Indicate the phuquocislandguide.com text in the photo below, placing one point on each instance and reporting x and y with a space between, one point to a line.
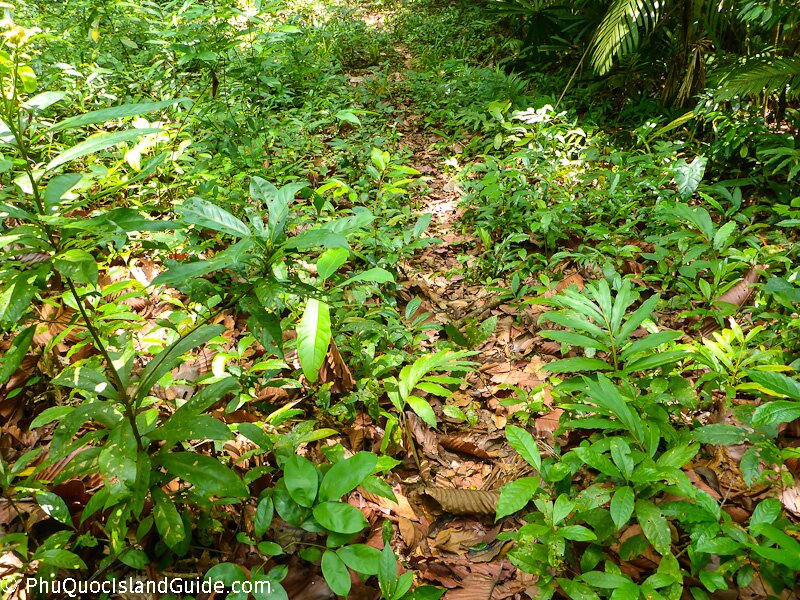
69 587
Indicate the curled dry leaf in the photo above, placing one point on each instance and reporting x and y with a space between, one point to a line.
738 295
465 502
467 442
335 370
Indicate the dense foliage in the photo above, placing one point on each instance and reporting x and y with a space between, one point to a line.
262 265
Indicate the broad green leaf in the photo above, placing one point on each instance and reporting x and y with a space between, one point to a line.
374 275
577 590
523 442
86 377
96 144
346 475
263 518
575 339
608 581
301 480
206 473
562 508
637 318
361 558
423 409
191 426
722 235
11 360
577 533
58 186
689 175
227 573
775 412
720 434
203 213
170 357
387 571
336 574
110 114
515 495
167 518
767 511
776 383
621 506
55 507
43 101
654 526
77 265
330 260
339 517
313 338
317 238
576 365
376 485
16 294
58 557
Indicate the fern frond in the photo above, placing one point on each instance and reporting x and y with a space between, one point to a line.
773 74
618 33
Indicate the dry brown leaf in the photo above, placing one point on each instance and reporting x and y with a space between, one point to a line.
738 295
465 502
467 442
478 583
423 435
335 370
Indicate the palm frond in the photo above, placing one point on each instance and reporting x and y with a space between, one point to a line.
774 74
618 33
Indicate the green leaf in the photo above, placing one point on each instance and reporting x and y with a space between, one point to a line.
55 507
361 558
203 213
330 261
185 426
576 364
110 114
97 143
77 265
777 411
621 507
608 581
515 495
387 572
654 526
689 175
767 511
346 475
167 518
720 434
339 517
301 480
313 338
562 508
776 383
86 377
227 573
170 357
374 275
577 533
209 476
336 574
15 298
577 590
11 360
423 409
263 518
523 442
722 235
58 186
57 557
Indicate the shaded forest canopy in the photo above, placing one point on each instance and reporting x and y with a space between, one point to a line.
400 300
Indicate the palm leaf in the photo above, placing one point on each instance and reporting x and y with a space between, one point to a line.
618 32
773 74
